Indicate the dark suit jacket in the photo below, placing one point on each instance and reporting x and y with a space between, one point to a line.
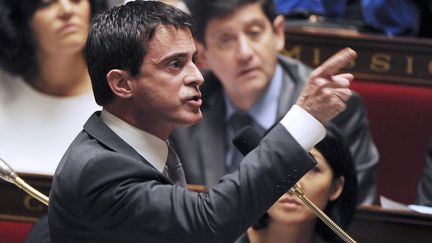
104 191
202 146
244 238
424 190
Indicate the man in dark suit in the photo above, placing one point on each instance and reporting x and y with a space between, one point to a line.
119 181
241 42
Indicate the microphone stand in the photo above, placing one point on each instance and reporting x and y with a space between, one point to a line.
320 214
9 175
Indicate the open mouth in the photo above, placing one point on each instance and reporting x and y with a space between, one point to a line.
197 96
195 100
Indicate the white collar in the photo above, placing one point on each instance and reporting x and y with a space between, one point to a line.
150 147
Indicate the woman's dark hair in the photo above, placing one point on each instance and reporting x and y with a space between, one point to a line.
203 11
341 210
119 38
17 42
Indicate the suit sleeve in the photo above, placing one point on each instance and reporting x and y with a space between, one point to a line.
120 192
354 126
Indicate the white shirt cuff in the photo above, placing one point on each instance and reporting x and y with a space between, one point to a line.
305 129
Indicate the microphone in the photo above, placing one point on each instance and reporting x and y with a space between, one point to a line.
246 140
9 175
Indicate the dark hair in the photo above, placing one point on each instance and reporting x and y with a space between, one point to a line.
204 11
119 38
341 210
17 41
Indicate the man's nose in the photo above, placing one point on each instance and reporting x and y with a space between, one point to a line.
194 75
244 49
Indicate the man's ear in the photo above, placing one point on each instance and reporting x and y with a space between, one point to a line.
279 31
120 83
337 188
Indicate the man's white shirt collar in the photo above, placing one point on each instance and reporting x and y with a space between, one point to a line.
150 147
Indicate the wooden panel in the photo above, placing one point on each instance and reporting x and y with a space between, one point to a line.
16 205
397 59
374 224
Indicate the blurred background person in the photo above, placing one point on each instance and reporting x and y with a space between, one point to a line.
248 82
45 89
177 3
331 186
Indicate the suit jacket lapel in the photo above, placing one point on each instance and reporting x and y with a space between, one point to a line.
96 128
286 96
292 84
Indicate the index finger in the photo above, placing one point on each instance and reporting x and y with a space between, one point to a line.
336 62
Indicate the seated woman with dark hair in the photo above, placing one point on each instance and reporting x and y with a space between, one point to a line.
45 89
331 186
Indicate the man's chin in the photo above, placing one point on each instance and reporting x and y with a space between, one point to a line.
191 120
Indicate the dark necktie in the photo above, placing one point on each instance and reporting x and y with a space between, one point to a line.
237 121
173 168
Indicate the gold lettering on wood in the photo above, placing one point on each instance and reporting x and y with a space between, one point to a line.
380 62
316 61
430 67
409 67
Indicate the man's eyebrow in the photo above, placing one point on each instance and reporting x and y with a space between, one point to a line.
174 56
255 22
170 57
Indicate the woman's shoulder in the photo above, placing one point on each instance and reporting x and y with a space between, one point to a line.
9 83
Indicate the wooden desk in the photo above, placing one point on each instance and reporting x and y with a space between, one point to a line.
371 224
16 205
375 224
